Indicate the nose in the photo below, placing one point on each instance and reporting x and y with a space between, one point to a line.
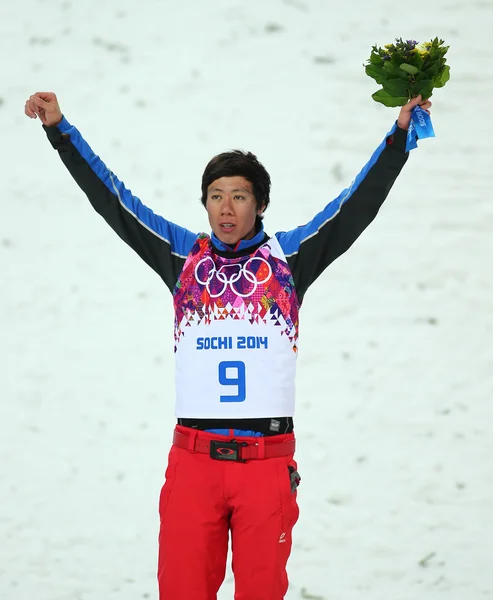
227 206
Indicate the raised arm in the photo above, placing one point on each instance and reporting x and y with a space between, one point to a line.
312 247
160 243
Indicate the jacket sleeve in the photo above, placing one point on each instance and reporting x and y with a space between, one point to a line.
311 248
163 245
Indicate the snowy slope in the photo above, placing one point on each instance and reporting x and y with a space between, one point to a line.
395 380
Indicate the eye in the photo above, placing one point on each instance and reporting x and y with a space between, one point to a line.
215 197
239 197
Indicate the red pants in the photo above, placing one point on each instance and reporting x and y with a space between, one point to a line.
202 501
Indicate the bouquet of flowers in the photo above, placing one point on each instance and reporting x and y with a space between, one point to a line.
407 69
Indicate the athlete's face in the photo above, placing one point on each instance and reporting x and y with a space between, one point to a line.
232 209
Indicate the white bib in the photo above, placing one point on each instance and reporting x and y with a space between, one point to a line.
236 331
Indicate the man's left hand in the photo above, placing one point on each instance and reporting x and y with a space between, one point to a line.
405 115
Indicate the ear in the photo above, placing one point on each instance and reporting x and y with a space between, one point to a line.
260 211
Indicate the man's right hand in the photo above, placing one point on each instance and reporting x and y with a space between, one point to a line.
45 106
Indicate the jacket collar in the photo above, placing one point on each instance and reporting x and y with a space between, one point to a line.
242 244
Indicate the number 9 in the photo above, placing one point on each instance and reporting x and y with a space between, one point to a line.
239 380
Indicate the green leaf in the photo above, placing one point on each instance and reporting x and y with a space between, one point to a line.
424 87
396 87
392 71
442 79
387 100
376 73
415 60
396 58
375 59
412 70
421 76
432 68
402 75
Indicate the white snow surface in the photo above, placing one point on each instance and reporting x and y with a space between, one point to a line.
395 374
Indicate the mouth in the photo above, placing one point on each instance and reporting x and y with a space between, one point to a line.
227 227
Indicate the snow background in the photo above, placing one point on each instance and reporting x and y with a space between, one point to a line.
395 372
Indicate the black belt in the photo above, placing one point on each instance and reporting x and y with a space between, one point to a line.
267 426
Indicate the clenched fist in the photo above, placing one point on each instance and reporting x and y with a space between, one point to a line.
405 115
45 106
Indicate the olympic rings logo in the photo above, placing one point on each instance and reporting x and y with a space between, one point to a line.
229 275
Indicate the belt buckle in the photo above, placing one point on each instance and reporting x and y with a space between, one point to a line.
227 450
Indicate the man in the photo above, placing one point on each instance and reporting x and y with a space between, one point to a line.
236 296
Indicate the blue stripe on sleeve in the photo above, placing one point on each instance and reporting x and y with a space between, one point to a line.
180 239
291 241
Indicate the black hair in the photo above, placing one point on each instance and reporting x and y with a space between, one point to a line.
243 164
